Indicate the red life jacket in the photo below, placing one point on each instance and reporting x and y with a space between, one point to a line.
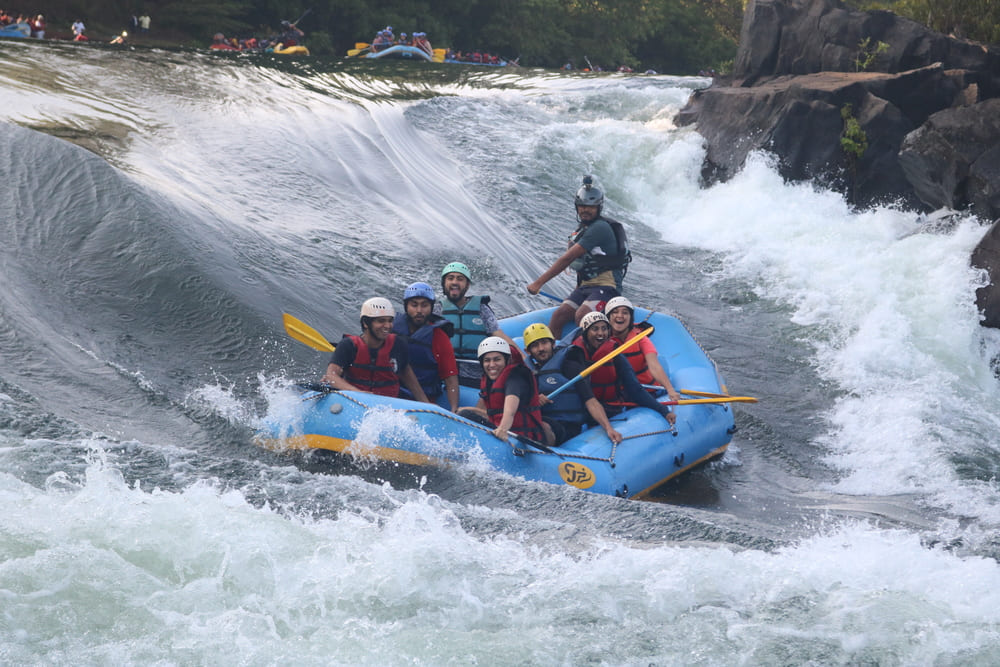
528 418
604 380
635 357
378 376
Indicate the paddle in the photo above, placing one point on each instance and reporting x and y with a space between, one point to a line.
304 333
551 296
304 14
603 360
356 52
690 392
537 445
719 399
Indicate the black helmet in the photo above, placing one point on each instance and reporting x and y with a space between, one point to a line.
590 194
285 24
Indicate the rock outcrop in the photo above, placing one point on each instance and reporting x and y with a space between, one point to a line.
927 105
794 74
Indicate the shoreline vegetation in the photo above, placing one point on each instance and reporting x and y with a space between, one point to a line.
682 37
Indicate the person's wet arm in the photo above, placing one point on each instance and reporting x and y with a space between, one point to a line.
634 393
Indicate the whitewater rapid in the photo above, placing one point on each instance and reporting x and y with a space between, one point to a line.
166 207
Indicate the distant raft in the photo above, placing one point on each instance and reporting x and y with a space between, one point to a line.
401 51
652 452
282 50
17 30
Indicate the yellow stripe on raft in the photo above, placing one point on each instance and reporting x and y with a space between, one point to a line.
314 441
642 495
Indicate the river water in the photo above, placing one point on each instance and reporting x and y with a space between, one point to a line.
163 209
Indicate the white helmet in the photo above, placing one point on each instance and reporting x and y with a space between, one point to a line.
377 306
493 344
592 317
618 302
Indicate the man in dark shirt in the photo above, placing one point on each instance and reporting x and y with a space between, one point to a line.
377 361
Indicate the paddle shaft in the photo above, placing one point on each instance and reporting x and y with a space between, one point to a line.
603 360
720 399
551 296
689 392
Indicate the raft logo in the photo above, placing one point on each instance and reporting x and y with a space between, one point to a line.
576 474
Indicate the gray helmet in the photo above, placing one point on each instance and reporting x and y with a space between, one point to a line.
590 194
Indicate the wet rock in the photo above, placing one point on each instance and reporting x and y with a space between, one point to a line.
986 256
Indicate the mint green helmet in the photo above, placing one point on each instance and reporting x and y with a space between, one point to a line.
456 267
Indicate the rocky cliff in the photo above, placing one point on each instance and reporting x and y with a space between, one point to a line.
922 111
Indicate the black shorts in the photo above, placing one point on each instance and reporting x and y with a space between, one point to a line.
592 296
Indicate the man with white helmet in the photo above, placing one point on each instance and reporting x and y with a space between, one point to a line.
614 383
553 367
428 337
377 361
508 395
472 318
642 356
598 252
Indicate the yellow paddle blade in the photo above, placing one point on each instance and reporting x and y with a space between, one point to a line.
353 52
304 333
361 45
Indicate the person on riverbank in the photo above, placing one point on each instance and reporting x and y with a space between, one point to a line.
472 318
614 383
428 339
508 395
553 368
642 356
598 251
78 27
377 361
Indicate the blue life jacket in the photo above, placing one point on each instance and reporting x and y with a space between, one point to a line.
566 407
469 328
420 344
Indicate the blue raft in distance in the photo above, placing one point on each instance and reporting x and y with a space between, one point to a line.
651 453
401 51
18 30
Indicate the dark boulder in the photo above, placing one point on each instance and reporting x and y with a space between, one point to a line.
794 73
986 256
942 158
780 37
798 118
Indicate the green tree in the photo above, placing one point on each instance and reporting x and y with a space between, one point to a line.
970 19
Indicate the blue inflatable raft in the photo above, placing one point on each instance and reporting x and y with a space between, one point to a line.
652 452
401 51
19 30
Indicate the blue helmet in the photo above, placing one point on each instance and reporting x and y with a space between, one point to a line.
418 289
